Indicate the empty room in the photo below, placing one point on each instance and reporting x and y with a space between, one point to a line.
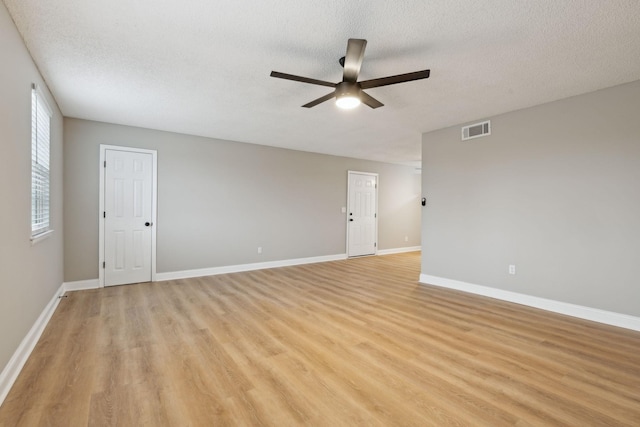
320 213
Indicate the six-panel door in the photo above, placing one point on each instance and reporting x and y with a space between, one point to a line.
128 216
361 221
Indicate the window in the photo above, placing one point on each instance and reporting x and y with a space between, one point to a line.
40 142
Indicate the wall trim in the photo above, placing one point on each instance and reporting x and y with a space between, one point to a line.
16 363
81 285
399 250
594 314
212 271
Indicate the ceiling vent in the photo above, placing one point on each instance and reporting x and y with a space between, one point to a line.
476 130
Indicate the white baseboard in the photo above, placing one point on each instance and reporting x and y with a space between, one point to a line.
186 274
596 315
81 285
212 271
399 250
16 363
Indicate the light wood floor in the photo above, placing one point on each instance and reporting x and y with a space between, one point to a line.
355 342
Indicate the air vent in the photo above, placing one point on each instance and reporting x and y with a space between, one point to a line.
476 130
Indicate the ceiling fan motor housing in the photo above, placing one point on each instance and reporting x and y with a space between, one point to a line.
349 89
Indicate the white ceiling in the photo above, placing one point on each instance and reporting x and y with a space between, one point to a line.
202 67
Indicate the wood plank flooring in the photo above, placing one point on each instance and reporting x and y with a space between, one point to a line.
354 342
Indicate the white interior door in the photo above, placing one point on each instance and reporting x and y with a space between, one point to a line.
362 221
128 217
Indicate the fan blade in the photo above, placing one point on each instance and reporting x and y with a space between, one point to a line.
320 100
370 100
301 79
353 60
391 80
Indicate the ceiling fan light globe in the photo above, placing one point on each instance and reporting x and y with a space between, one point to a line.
347 102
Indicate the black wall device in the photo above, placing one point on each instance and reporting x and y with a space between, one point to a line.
424 201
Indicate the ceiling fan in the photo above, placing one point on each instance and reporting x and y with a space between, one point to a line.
349 92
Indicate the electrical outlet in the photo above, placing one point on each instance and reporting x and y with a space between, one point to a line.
512 269
259 249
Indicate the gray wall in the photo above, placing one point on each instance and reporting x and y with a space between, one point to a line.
554 190
219 200
29 275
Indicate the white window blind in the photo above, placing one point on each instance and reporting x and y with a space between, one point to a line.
40 143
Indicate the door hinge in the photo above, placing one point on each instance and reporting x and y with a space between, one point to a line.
375 215
104 264
105 164
375 245
104 214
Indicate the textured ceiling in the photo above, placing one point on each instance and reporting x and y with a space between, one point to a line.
202 67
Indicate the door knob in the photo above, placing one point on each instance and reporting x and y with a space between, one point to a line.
148 224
